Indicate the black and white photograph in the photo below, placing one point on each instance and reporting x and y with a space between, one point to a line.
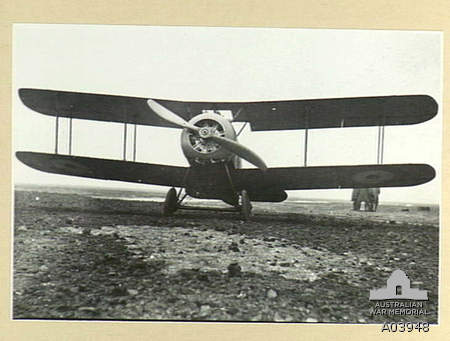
177 173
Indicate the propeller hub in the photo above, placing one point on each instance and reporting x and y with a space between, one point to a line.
205 132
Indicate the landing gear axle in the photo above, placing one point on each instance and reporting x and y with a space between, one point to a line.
173 202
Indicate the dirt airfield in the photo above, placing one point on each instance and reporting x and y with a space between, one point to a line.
90 254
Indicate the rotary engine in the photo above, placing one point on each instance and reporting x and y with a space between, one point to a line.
197 148
208 138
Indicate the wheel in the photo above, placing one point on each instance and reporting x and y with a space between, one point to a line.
170 203
246 206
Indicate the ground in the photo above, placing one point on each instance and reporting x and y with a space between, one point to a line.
87 254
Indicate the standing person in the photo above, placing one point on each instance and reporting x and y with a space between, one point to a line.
364 196
373 193
355 195
367 195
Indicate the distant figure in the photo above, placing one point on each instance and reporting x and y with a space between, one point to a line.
374 194
367 195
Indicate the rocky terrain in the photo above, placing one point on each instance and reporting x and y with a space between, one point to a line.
89 255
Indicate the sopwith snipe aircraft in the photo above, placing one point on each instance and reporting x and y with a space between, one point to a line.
209 143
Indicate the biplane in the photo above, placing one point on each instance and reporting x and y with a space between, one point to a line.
209 142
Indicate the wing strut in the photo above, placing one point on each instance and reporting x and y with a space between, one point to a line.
305 156
70 136
56 134
125 142
134 142
380 147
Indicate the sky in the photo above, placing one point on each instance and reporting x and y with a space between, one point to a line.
229 64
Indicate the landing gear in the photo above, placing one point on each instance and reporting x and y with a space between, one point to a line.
246 206
171 203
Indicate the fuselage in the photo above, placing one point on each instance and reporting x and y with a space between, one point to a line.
211 175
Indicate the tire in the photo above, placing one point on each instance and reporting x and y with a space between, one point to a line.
170 203
246 206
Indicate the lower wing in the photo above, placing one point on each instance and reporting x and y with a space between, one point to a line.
253 180
292 178
105 169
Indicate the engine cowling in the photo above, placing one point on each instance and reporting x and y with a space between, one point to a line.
198 149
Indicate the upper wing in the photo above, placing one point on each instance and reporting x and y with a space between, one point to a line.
263 115
339 112
92 107
292 178
89 167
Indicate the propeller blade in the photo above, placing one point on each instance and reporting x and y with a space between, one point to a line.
170 116
241 151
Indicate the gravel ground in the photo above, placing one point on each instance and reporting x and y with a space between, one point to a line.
79 257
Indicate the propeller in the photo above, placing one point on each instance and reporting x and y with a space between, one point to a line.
231 145
170 116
